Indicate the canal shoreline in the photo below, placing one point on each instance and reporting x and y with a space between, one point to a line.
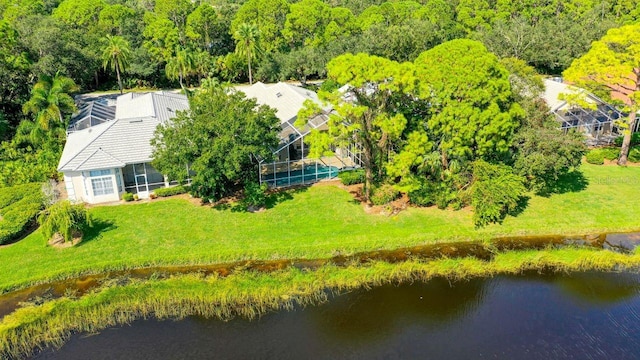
251 293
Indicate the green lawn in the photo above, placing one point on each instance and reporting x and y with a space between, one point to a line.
317 222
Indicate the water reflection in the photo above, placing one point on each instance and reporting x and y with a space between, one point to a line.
580 316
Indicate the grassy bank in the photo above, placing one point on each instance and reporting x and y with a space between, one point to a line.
317 222
250 294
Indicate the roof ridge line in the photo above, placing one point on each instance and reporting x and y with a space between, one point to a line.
111 123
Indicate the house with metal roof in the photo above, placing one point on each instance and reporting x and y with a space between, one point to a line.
578 109
108 149
292 165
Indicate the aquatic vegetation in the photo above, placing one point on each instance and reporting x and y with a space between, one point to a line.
250 294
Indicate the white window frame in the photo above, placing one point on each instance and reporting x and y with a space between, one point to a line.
106 185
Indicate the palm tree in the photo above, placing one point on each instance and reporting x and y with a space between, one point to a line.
115 55
179 66
247 36
50 99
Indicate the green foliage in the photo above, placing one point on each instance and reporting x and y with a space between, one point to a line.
65 219
352 177
606 69
19 207
635 140
128 196
611 153
596 157
542 153
634 154
220 138
384 194
474 113
425 194
495 192
171 191
50 100
115 55
247 37
255 195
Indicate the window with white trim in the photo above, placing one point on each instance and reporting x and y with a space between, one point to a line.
102 186
93 173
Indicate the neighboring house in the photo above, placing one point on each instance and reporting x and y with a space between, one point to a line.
596 118
108 149
292 165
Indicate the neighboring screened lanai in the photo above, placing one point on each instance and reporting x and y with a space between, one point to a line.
91 114
292 165
595 118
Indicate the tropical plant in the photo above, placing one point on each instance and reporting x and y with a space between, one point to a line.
180 66
247 37
50 100
115 55
65 219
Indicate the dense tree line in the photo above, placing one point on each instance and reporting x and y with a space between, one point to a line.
182 41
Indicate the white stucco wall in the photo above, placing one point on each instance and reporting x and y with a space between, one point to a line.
79 184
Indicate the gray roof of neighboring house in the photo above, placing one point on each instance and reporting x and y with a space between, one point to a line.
125 140
285 98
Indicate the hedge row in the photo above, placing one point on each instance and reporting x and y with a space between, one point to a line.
352 177
170 191
597 156
19 207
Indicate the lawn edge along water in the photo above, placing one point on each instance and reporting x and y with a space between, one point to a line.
312 223
251 294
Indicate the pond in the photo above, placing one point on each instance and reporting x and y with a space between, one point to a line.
533 316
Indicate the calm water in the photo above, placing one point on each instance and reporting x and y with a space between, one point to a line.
580 316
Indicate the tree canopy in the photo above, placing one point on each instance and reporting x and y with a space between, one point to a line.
220 139
611 68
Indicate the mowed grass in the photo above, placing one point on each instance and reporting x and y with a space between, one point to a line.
318 222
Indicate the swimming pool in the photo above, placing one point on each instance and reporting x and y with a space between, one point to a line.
306 175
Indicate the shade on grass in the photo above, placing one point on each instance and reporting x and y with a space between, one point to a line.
317 222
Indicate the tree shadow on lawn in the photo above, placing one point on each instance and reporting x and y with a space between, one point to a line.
273 198
98 227
574 181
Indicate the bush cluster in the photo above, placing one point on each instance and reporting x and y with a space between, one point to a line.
65 219
495 192
634 154
170 191
352 177
19 207
255 195
595 156
127 196
384 194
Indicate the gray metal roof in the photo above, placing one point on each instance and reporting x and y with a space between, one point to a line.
125 140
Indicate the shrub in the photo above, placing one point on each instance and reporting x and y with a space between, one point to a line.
611 153
171 191
10 195
352 177
255 194
596 157
495 191
384 194
635 140
634 154
20 207
425 195
65 219
136 197
127 196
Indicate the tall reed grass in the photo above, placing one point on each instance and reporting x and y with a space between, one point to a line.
251 294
